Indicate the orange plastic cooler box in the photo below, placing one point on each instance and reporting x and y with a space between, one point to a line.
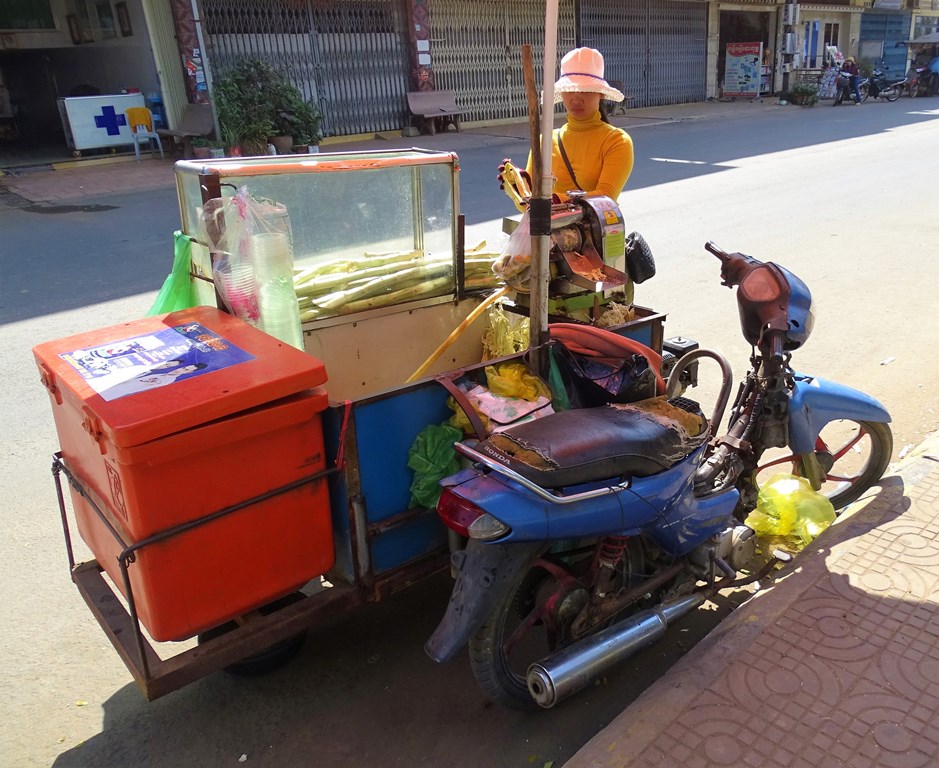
168 419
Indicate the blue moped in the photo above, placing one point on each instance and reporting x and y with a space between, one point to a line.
589 530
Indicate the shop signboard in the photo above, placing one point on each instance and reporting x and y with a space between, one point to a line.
742 70
92 122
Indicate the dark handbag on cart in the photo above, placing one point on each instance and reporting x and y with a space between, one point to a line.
592 381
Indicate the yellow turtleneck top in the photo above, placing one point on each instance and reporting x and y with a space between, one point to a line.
600 154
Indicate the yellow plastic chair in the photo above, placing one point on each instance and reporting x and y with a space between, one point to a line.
140 120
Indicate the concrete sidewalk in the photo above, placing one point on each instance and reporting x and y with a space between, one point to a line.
90 177
836 665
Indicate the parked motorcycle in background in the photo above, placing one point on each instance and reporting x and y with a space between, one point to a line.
880 86
588 531
844 90
922 81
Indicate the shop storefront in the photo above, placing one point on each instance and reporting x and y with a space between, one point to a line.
925 29
925 18
822 27
748 23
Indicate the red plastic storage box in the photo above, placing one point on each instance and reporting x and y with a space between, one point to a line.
168 419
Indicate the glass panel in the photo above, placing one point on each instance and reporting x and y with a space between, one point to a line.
364 237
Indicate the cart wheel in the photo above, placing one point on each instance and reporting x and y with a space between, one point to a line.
274 657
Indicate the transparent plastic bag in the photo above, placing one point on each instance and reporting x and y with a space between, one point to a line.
511 395
514 264
790 510
253 268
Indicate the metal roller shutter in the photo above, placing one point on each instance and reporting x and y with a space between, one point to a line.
886 31
657 48
476 48
348 56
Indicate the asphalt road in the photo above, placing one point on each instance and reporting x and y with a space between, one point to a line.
839 196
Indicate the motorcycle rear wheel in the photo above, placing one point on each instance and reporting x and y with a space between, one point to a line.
532 621
892 92
853 455
863 90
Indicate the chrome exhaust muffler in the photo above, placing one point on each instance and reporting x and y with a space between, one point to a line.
561 674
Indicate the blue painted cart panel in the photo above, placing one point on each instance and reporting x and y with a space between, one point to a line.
385 427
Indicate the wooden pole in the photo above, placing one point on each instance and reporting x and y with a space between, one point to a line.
534 119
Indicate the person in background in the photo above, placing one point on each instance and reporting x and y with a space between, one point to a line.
589 153
850 68
933 67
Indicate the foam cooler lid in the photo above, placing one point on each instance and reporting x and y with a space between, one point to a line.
148 378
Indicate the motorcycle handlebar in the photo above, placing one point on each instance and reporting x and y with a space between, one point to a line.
734 266
711 246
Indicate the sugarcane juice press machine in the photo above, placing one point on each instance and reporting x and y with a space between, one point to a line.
588 237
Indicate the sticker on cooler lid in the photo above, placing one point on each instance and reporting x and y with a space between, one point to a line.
142 363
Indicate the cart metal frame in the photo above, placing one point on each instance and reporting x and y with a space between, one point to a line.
255 633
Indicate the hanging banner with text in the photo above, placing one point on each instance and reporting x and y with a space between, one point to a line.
742 70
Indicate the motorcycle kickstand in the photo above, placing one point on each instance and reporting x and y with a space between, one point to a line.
779 557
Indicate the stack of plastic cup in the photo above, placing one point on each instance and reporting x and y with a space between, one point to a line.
280 314
240 290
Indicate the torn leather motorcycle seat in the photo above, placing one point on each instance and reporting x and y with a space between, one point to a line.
592 444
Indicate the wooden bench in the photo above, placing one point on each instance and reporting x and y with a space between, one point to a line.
431 106
196 122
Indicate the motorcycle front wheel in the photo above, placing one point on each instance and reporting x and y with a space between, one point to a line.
853 456
533 620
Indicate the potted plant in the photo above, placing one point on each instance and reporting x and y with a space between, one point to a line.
303 121
230 128
201 148
246 105
804 94
258 104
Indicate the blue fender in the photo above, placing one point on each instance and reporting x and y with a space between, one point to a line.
485 573
815 402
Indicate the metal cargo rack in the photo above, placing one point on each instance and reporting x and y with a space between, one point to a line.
256 632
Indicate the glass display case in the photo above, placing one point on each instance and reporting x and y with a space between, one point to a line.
380 274
369 229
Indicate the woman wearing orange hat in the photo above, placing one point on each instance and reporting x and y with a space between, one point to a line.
589 153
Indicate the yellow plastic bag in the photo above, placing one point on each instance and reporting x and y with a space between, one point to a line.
514 380
789 508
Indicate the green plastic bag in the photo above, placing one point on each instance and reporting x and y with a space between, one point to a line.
788 508
177 292
432 458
